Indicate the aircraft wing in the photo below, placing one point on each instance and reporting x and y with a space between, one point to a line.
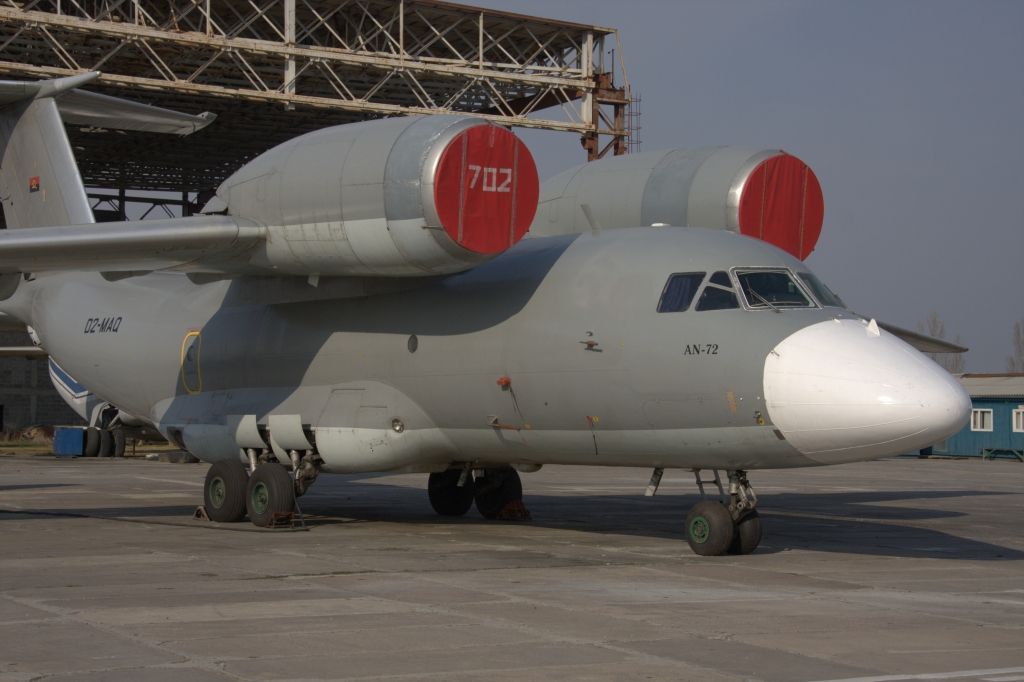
922 342
22 352
200 244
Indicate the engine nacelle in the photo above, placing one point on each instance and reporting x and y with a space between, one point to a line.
767 194
394 197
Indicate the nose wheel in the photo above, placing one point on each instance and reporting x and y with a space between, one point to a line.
729 525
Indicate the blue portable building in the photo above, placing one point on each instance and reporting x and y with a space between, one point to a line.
997 417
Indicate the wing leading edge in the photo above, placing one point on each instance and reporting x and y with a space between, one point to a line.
201 244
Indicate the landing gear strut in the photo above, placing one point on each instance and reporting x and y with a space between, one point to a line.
729 525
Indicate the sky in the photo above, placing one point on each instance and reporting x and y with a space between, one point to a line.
910 112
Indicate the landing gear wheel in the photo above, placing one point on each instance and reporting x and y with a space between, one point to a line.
224 491
446 497
106 443
270 492
748 534
709 528
497 489
92 442
120 441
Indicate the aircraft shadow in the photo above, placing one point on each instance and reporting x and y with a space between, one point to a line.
874 523
33 486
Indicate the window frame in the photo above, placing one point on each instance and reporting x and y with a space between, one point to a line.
981 412
709 284
803 276
1017 419
734 273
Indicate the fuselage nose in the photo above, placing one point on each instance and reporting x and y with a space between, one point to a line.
843 390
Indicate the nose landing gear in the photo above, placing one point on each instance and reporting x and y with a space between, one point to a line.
729 525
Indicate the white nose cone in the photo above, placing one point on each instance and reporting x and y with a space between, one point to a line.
843 390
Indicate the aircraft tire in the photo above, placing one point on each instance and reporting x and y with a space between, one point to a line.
496 489
120 441
106 443
224 491
709 528
749 533
92 442
270 491
446 497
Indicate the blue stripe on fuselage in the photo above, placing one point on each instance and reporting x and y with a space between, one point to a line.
75 388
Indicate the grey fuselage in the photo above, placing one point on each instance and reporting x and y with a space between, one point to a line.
407 374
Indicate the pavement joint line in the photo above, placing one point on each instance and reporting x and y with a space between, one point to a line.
952 675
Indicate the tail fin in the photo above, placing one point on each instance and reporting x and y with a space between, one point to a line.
39 180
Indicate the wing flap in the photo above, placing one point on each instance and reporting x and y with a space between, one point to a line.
201 244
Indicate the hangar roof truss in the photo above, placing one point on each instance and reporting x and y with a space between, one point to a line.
271 69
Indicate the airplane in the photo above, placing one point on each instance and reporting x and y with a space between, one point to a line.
366 298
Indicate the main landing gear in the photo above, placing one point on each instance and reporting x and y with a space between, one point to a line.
729 525
266 490
497 493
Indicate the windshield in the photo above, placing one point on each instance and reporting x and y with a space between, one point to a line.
825 296
772 289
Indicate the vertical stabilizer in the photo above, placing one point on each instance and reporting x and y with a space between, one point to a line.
39 180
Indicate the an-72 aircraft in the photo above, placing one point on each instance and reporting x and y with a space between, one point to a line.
361 299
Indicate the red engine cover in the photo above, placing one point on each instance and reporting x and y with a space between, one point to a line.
486 189
782 204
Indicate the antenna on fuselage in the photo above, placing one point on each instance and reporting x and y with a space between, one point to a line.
595 229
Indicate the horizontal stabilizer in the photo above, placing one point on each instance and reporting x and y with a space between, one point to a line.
922 342
201 244
94 110
100 111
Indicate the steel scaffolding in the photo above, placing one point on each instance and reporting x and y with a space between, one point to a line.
271 69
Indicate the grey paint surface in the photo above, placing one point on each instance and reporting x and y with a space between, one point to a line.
899 568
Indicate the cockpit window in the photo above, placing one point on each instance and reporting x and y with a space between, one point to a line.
718 293
825 296
721 279
679 292
772 289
